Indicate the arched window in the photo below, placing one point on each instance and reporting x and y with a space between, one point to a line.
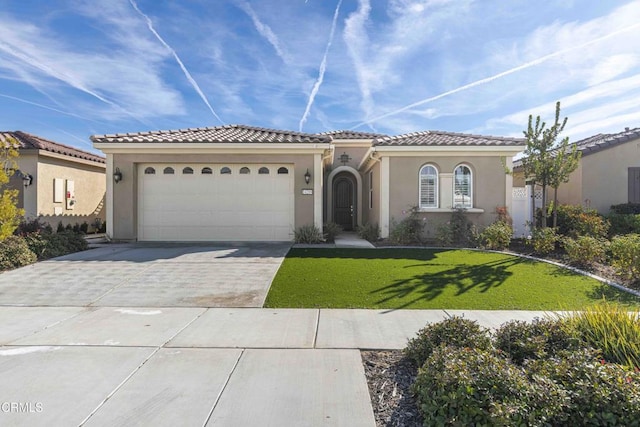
187 171
225 171
263 171
206 171
168 171
283 171
428 187
245 171
149 171
462 187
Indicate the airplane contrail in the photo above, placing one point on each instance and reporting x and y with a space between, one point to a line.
48 108
323 67
499 75
186 72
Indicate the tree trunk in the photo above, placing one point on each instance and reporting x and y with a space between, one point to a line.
544 206
555 208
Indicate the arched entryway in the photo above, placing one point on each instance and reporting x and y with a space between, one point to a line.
345 196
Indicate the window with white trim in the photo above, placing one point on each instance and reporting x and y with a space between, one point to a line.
462 187
428 187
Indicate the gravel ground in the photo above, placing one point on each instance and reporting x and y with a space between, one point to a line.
389 376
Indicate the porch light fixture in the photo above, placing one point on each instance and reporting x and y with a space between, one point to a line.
307 176
117 176
27 179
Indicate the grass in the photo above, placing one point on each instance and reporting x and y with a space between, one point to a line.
431 279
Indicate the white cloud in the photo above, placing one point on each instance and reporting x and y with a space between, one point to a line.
266 32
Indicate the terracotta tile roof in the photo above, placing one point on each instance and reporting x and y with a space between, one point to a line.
350 134
448 139
599 142
27 141
219 134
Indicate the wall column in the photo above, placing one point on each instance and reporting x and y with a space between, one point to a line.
317 190
109 197
384 197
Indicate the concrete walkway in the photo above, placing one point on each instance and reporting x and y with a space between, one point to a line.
199 366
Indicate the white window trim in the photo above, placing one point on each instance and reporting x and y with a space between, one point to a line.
437 189
453 202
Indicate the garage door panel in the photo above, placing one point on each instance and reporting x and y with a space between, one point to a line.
231 207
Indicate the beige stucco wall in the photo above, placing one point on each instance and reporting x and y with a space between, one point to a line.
605 175
28 197
371 215
489 188
125 200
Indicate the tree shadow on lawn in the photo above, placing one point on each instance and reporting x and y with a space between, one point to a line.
612 294
429 286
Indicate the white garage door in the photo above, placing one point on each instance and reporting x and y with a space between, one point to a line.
190 202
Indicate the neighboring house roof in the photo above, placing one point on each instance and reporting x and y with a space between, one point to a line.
27 141
350 134
439 138
599 142
219 134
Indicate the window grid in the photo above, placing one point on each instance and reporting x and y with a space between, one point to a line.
462 187
428 187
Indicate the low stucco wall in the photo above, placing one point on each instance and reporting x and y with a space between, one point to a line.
125 200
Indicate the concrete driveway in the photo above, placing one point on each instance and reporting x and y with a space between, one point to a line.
146 275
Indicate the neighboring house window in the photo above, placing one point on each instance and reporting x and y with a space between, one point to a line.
225 171
187 171
168 171
283 171
370 189
207 171
428 187
263 171
149 171
462 187
245 171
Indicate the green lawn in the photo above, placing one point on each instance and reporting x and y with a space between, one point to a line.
430 278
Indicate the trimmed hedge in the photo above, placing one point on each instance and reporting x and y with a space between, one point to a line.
14 253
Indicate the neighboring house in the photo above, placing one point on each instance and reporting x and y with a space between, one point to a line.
608 172
56 182
245 183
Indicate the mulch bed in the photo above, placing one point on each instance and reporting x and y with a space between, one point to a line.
389 376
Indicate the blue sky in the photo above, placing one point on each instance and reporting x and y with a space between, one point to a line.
70 69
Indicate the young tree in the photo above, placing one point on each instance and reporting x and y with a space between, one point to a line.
10 215
547 163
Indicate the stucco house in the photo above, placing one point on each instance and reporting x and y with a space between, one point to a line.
236 182
56 182
608 172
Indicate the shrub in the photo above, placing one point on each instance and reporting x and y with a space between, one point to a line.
576 221
409 230
585 250
601 394
544 240
624 224
625 255
459 231
369 232
474 387
331 230
496 236
60 227
626 208
84 227
455 331
308 234
534 340
14 253
51 245
31 226
610 328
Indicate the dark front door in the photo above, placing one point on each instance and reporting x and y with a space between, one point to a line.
343 208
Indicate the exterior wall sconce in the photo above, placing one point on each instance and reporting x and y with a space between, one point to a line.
27 179
117 176
307 176
344 158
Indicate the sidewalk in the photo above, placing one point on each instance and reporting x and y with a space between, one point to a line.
198 366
